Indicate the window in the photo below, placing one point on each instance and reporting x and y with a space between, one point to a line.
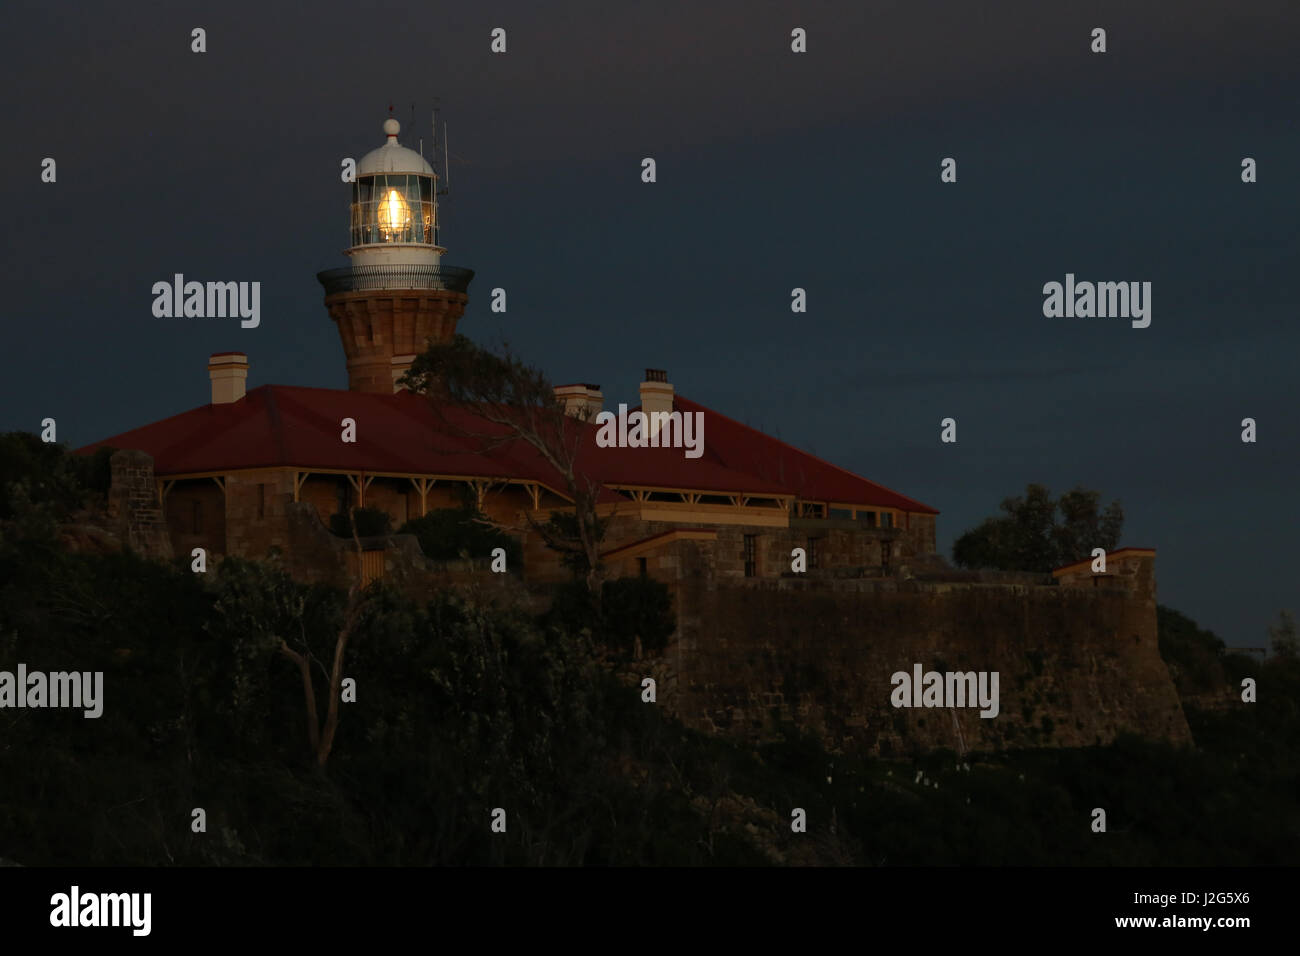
886 520
812 553
751 555
886 550
869 517
392 207
196 516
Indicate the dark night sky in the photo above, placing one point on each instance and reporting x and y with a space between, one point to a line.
775 171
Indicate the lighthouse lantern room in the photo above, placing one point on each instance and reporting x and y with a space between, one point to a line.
395 206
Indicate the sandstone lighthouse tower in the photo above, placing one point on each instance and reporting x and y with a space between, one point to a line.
397 295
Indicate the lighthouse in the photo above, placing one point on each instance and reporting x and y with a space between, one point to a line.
396 296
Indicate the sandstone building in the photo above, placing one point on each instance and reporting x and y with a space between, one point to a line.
230 473
756 646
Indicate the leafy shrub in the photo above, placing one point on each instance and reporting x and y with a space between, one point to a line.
630 608
446 532
370 523
46 475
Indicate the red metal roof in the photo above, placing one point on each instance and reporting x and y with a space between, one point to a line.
290 426
747 449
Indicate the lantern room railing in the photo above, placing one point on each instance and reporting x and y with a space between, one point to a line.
373 278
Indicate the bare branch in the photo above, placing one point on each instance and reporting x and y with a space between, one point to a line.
356 605
308 692
502 391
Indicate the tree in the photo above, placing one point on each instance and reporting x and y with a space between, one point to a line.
366 522
1282 635
1193 655
1037 533
268 611
444 533
504 400
34 473
1083 526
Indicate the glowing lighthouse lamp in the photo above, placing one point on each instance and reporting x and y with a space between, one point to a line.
394 217
394 207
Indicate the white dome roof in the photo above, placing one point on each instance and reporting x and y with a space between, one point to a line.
392 158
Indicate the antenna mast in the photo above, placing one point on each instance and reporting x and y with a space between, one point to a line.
440 188
445 185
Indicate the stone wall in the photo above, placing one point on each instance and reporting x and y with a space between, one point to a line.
849 547
133 505
1077 665
312 553
196 516
920 531
256 504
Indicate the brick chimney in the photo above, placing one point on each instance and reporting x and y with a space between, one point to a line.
582 400
656 392
229 374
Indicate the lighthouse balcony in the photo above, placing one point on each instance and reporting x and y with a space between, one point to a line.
373 278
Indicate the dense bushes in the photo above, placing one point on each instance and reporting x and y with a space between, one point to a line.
44 475
369 523
463 707
449 533
630 610
460 708
1194 656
